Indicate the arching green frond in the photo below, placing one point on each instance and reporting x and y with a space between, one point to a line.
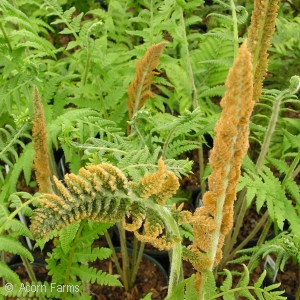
10 244
211 49
90 274
8 274
10 137
22 164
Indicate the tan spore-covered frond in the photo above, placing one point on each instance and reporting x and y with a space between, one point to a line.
40 145
212 221
154 235
137 90
159 185
260 32
102 193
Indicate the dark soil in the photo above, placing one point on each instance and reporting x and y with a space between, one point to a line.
149 279
250 221
40 272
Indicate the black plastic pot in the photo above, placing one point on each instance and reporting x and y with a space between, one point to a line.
268 282
150 258
272 276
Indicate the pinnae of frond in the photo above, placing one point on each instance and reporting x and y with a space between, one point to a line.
137 90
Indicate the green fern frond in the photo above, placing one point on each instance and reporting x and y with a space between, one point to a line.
218 90
280 165
47 46
294 140
185 290
95 253
10 244
9 137
181 84
92 232
137 163
190 292
10 9
67 235
192 20
91 275
269 292
67 119
21 22
22 164
294 189
178 147
210 288
268 189
43 290
220 62
17 228
284 245
99 193
212 49
8 274
227 283
16 202
224 18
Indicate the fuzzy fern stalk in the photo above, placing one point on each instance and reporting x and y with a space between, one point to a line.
138 91
215 219
40 145
102 193
260 32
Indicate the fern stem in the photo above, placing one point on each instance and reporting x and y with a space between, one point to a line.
166 144
125 275
270 129
70 257
136 262
29 269
296 172
87 66
114 255
13 139
171 226
188 61
88 53
291 173
103 106
15 212
194 99
246 240
5 37
231 240
235 30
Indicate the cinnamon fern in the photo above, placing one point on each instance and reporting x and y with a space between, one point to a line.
138 91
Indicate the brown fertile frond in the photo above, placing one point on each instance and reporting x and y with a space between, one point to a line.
154 235
212 221
260 32
40 145
137 90
198 259
161 184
